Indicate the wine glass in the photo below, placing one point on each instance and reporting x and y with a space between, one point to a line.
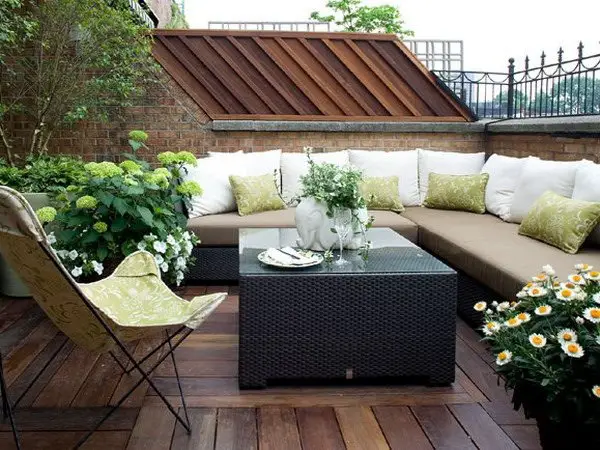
342 224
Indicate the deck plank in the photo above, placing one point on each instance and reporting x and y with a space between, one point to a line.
47 440
525 436
319 429
400 428
236 429
153 429
204 426
360 429
486 433
278 429
442 429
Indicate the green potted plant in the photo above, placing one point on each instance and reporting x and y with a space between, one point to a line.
547 347
120 209
39 178
325 188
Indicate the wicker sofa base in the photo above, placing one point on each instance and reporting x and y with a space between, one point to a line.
354 326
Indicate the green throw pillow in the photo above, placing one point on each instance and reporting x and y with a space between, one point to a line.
560 221
457 192
255 194
381 193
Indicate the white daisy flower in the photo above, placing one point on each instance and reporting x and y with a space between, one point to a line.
503 306
513 322
98 267
141 246
494 303
543 310
573 349
582 267
592 314
164 267
537 291
540 278
491 327
159 246
566 294
524 317
596 391
159 259
537 340
521 294
593 275
576 278
503 357
566 335
73 254
549 270
51 238
77 271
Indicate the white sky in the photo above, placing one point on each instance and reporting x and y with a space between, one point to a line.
492 31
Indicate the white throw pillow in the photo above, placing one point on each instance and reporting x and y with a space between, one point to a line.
587 187
449 163
212 174
537 177
254 163
403 164
504 172
294 165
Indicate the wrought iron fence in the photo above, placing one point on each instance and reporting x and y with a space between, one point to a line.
565 88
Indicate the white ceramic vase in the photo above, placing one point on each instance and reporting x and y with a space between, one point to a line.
315 228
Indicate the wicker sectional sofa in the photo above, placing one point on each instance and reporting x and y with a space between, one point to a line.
493 260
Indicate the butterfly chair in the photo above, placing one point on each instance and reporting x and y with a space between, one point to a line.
131 304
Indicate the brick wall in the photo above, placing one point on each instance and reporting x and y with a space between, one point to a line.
174 122
545 146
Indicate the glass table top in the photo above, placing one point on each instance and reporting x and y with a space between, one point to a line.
391 253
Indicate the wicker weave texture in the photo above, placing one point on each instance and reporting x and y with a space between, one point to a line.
214 264
329 326
470 291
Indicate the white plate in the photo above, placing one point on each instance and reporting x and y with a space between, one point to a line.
317 259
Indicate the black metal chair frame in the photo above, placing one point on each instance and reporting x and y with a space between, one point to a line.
6 406
180 334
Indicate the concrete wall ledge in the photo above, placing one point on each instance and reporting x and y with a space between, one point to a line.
552 125
348 127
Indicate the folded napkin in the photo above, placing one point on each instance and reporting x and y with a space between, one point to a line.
281 257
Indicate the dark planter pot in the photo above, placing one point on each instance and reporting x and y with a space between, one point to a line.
569 434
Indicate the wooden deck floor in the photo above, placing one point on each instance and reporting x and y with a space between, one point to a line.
474 412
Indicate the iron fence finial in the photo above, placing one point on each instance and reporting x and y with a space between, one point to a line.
580 51
526 63
560 55
543 58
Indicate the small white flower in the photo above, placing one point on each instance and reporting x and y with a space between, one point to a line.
159 259
141 246
98 267
180 263
594 275
540 278
592 314
504 357
596 297
77 271
573 349
164 267
583 267
576 278
171 240
549 270
536 291
566 335
521 294
62 254
579 320
159 246
480 306
596 391
51 238
537 340
491 327
503 306
186 235
598 339
188 248
489 311
524 317
176 249
73 255
494 303
543 310
149 237
566 294
513 322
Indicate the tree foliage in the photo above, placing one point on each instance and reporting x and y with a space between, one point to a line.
81 60
575 95
352 16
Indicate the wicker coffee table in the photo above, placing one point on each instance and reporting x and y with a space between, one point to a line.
393 316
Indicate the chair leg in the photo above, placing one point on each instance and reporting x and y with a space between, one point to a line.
6 408
145 376
172 352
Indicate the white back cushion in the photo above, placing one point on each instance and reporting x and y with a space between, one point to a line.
212 174
504 172
587 187
537 177
294 165
403 164
449 163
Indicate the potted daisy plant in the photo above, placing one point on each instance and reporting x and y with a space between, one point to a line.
547 348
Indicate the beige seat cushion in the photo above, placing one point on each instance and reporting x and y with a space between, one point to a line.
222 229
490 250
